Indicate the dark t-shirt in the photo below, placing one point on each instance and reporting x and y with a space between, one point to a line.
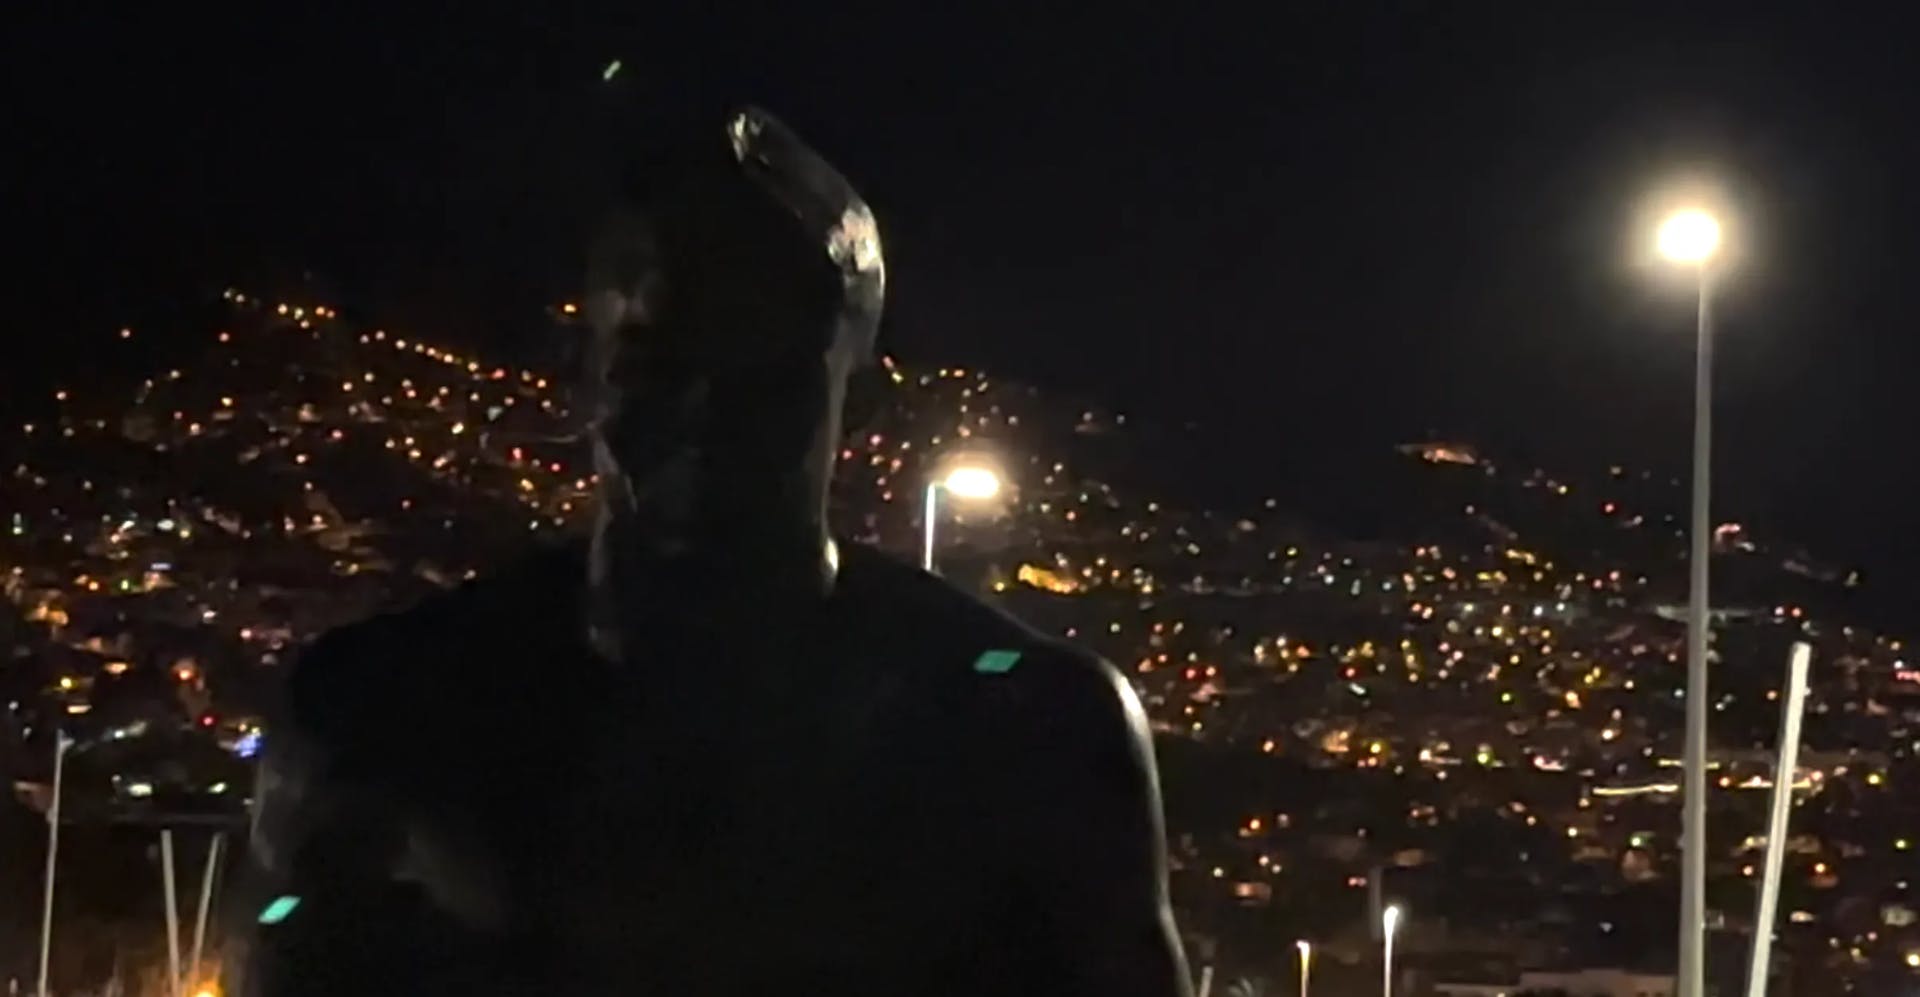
909 793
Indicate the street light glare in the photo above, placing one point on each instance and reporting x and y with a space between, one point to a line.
972 482
1390 918
1690 236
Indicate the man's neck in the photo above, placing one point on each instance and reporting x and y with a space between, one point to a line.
635 595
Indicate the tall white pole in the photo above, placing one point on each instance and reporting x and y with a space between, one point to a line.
1206 982
1386 971
929 511
1390 922
60 746
1306 963
1782 805
206 903
173 913
1693 847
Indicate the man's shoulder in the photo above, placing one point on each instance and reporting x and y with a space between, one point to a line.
926 617
352 676
893 591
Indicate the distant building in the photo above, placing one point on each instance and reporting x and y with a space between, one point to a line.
1719 616
1572 983
1441 453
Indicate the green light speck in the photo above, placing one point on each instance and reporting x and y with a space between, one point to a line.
996 662
278 910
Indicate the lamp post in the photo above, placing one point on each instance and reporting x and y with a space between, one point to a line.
1782 802
1691 238
1306 963
1389 923
60 745
971 482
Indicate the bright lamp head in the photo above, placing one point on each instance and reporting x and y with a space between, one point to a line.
972 482
1691 236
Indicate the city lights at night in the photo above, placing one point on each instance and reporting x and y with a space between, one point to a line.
1161 503
1483 678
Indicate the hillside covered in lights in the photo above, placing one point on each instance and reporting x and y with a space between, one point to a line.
1485 705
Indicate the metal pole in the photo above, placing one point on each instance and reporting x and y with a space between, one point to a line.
1206 981
930 511
1386 972
206 903
173 915
60 745
1693 847
1782 804
1306 963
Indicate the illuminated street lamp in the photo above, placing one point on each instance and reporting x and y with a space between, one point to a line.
1306 963
969 482
1389 922
61 744
1692 238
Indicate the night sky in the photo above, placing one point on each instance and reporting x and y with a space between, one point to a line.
1308 231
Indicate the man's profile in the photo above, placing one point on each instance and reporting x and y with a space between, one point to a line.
711 751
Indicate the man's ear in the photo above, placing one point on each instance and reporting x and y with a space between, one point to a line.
866 397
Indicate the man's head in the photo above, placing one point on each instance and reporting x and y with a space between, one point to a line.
731 302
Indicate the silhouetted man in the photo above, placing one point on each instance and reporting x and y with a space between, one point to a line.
712 753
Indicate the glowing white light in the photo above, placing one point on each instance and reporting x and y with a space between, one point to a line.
1690 236
972 482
